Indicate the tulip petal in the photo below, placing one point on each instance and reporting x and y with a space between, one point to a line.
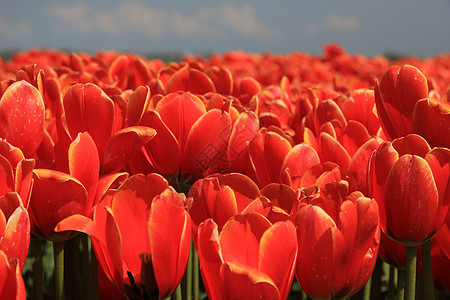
169 231
242 282
17 236
138 104
88 108
276 259
239 239
206 144
6 176
411 200
331 150
11 281
179 111
68 197
298 160
190 80
210 256
22 116
163 151
84 164
222 79
123 145
315 261
281 195
245 190
431 120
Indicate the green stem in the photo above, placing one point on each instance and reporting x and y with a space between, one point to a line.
427 271
178 295
196 275
93 288
38 271
189 271
401 284
391 282
58 256
366 292
411 266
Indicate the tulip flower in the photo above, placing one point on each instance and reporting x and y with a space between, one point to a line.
396 96
75 192
338 237
409 181
250 258
22 117
146 257
86 108
11 281
189 140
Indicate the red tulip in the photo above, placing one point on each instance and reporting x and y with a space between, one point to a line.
250 258
190 140
16 170
149 255
14 231
86 108
410 183
75 192
396 95
220 197
22 117
11 281
338 237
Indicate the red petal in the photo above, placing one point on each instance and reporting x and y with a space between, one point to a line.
431 119
123 145
331 150
298 160
169 231
163 151
222 79
84 164
22 117
411 144
314 269
411 200
6 176
190 80
210 257
281 195
244 130
11 282
239 239
207 143
179 111
137 105
88 108
68 197
132 202
242 282
17 236
411 86
277 259
245 190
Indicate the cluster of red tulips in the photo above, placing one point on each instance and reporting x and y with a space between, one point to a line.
250 169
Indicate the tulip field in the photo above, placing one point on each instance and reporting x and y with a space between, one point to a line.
233 176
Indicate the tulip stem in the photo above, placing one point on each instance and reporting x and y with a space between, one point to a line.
93 293
391 282
196 275
427 271
58 256
401 284
411 265
38 271
189 271
366 291
178 295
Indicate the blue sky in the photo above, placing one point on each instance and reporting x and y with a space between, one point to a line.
415 27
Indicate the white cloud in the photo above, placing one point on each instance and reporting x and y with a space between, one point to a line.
333 22
131 17
341 22
14 31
